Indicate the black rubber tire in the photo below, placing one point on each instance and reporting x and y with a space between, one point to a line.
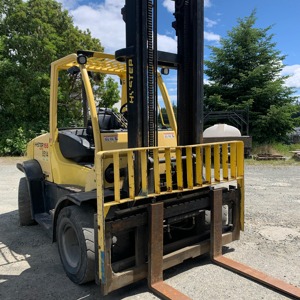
24 204
75 239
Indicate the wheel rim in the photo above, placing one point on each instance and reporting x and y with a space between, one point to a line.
70 245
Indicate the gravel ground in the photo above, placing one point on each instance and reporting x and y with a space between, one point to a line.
30 267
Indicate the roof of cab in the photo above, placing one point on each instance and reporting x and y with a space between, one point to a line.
97 62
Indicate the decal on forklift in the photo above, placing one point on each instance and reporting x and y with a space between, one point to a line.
130 81
43 147
39 145
45 153
169 135
111 138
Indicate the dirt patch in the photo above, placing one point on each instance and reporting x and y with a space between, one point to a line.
276 233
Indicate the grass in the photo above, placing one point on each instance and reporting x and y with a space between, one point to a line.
287 162
275 149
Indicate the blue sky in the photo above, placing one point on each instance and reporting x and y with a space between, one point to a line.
104 20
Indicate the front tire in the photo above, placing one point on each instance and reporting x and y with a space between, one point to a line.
75 238
24 205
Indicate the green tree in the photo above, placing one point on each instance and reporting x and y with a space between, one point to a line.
244 73
296 114
109 93
33 34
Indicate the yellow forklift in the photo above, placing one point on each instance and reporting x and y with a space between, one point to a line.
125 196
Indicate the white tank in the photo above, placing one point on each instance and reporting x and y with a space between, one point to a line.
221 130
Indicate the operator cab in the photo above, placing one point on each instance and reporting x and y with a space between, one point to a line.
76 138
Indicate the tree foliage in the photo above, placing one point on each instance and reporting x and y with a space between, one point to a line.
109 93
34 33
244 73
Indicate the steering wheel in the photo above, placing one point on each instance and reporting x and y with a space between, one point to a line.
122 108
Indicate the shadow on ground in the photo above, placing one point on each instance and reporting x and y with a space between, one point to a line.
30 268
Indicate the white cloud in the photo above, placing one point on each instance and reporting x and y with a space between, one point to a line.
207 3
166 43
104 21
210 23
170 5
106 24
294 73
68 4
210 36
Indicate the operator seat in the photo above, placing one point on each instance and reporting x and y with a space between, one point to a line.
107 119
75 147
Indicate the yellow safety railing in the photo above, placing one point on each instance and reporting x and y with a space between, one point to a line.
174 169
177 169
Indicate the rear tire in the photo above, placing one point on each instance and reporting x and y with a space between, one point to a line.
25 217
75 238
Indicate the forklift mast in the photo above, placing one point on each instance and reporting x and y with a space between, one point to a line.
142 60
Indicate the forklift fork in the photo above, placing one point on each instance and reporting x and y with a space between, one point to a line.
155 264
234 266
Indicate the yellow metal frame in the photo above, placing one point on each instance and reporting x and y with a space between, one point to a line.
99 62
167 102
204 165
224 171
226 165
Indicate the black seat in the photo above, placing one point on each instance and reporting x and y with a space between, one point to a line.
107 119
75 147
104 120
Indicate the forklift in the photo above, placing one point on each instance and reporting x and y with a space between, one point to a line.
124 198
